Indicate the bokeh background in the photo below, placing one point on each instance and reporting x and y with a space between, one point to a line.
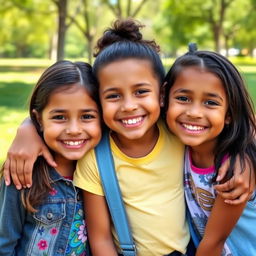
36 33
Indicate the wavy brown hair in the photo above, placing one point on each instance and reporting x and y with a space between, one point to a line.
238 137
60 76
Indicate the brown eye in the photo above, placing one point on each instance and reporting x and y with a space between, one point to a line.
182 98
59 117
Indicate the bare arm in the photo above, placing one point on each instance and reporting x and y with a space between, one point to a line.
240 187
222 220
25 148
99 225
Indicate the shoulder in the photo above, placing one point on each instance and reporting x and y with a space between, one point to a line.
88 159
9 191
168 136
10 199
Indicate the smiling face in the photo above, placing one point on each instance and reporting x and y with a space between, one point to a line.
197 110
70 123
129 95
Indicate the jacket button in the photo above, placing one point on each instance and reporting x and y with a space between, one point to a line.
49 215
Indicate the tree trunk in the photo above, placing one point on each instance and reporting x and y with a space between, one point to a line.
216 35
227 45
90 48
62 15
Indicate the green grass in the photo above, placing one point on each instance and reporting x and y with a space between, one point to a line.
18 76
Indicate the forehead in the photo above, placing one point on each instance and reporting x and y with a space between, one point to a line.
127 70
70 96
199 79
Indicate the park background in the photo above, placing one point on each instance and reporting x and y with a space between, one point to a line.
36 33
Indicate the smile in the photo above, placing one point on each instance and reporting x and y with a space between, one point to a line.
73 143
193 127
132 121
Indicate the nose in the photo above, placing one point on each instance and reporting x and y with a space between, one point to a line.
129 104
73 128
194 111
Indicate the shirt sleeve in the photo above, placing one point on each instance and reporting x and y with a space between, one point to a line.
87 176
12 218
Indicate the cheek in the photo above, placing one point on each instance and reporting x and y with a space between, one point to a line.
96 132
171 115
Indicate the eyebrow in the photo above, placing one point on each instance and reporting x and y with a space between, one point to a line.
135 85
64 111
212 95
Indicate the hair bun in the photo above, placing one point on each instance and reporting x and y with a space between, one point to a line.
192 47
127 29
121 30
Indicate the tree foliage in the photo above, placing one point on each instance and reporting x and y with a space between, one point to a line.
69 28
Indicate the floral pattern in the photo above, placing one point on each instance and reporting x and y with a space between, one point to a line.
78 236
53 192
54 231
42 245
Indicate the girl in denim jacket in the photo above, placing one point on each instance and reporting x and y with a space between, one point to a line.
48 218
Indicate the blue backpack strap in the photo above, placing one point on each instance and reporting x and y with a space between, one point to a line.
113 196
193 233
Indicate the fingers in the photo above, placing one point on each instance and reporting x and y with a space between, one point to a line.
223 170
225 187
13 171
28 170
235 190
19 171
18 167
6 172
243 198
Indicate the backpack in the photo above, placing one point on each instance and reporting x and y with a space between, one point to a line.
113 196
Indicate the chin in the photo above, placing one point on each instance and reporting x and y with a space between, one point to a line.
75 157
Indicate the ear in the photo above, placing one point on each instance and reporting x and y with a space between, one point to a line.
227 119
162 95
38 118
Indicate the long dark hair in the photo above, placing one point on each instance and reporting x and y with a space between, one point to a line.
238 137
123 41
60 76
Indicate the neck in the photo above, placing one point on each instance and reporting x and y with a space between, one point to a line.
65 167
138 147
202 158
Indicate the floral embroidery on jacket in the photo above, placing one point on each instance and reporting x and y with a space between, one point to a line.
53 192
42 245
78 236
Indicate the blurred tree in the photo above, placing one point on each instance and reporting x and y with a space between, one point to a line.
23 33
88 24
189 17
246 33
62 27
64 24
40 27
124 9
179 24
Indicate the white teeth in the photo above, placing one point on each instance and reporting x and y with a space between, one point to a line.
132 121
193 127
73 143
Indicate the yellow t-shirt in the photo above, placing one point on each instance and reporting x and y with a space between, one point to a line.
152 190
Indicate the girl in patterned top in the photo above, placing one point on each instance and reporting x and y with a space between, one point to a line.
209 109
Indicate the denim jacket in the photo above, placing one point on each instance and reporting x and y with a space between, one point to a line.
57 228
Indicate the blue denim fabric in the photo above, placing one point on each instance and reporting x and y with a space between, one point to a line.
46 232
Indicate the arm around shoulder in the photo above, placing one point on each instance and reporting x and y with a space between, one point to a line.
239 188
26 147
